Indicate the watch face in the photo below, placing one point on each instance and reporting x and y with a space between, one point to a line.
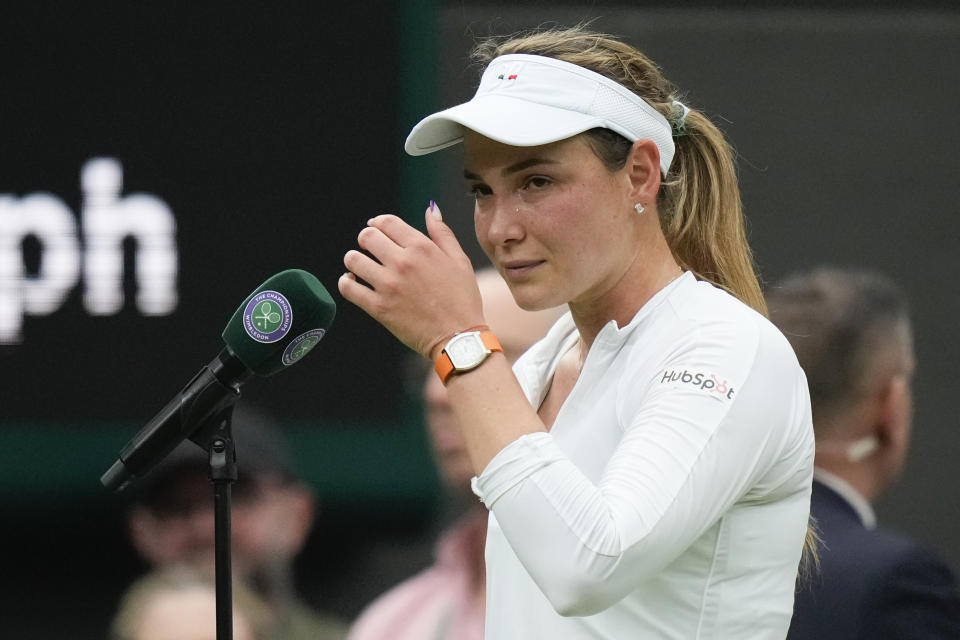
466 351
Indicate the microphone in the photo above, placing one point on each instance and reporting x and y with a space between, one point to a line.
276 326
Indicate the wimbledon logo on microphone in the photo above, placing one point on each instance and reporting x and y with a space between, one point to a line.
267 317
300 345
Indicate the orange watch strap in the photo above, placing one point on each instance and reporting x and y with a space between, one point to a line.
490 341
443 365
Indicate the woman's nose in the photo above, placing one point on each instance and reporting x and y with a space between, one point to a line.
504 221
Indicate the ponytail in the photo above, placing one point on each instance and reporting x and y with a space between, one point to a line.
701 213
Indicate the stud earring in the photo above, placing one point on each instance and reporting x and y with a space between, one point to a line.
518 209
639 207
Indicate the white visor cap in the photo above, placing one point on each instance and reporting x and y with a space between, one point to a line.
526 100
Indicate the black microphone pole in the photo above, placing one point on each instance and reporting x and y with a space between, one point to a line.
217 438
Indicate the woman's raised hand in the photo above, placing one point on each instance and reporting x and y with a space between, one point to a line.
420 287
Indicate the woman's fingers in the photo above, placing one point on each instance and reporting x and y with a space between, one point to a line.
395 229
396 244
441 234
396 234
355 292
377 244
419 287
365 267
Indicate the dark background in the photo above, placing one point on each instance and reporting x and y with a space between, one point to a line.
274 131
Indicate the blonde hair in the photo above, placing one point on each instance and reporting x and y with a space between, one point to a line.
699 201
701 213
179 578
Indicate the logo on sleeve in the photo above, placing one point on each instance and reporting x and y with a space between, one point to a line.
708 382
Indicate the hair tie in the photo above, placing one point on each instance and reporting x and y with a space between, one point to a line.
679 122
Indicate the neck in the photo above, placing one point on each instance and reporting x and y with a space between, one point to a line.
635 287
843 432
859 475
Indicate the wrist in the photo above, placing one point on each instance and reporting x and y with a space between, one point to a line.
436 350
465 351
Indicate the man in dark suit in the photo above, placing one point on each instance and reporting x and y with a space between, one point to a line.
851 332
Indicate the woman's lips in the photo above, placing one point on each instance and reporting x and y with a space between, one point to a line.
521 267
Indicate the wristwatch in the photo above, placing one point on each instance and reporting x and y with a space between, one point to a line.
465 351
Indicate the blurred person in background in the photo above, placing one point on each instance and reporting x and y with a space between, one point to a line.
446 600
171 521
852 334
178 602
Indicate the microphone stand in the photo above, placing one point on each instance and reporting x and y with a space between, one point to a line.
203 413
217 439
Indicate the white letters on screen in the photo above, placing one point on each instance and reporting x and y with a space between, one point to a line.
107 220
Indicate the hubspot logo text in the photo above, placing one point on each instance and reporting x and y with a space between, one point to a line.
706 382
95 250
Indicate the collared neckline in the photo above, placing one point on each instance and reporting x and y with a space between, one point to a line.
852 497
612 333
563 335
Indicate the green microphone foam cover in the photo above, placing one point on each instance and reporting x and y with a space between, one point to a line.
280 322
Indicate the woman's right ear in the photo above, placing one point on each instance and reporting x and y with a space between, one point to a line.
643 166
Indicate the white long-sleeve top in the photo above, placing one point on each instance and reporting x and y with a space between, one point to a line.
670 498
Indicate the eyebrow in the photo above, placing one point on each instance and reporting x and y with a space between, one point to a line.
514 168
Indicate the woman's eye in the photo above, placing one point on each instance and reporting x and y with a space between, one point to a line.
538 182
478 191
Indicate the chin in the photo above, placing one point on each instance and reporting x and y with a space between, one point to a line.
539 303
529 298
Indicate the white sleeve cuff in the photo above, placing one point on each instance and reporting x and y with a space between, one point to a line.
513 464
